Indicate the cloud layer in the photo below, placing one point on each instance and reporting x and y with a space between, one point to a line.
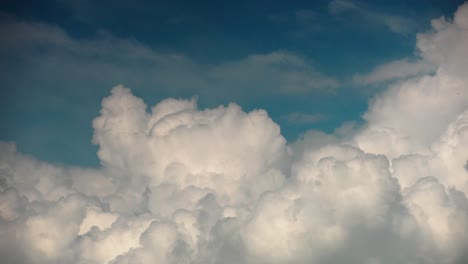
104 58
179 184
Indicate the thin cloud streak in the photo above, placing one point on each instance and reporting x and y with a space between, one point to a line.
394 23
298 118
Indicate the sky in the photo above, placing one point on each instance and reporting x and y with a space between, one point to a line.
243 132
295 60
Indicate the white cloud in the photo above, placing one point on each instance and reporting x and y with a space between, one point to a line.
393 71
429 103
180 184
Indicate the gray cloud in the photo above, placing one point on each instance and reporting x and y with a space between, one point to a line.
298 118
104 59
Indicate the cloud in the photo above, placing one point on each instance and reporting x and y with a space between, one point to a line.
179 184
281 72
393 71
90 65
104 58
428 103
298 118
394 23
338 6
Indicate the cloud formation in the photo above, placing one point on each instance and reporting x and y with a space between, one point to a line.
179 184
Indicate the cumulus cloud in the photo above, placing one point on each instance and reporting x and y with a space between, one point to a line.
413 114
179 184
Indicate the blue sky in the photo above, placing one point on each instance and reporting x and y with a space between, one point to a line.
300 61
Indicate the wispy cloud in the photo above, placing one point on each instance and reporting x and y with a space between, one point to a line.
279 72
47 49
395 23
394 70
298 118
338 6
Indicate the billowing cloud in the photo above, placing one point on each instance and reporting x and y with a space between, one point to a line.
414 113
179 184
